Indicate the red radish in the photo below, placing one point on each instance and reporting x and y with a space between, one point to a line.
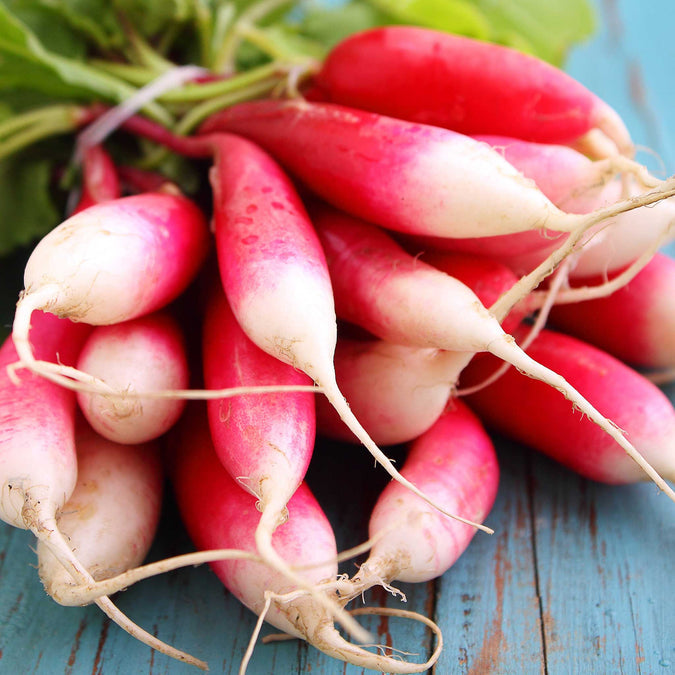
38 465
528 411
100 182
111 517
271 263
635 323
143 354
463 84
218 513
264 442
398 298
396 391
112 262
405 176
455 461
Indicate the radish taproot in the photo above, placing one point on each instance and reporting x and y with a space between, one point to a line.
218 513
533 414
398 298
111 517
112 262
467 85
409 177
143 354
635 323
456 462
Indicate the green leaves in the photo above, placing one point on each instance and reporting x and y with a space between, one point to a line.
27 210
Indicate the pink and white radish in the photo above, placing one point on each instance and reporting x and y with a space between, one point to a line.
532 413
379 286
111 517
455 461
396 391
470 86
218 513
636 323
409 177
143 354
265 442
110 263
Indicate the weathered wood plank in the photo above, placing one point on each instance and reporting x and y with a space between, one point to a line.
487 602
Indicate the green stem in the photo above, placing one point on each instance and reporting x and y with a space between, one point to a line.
206 90
136 75
198 114
224 59
36 117
57 124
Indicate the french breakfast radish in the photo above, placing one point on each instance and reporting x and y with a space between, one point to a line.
455 461
100 181
112 262
467 85
396 391
533 414
218 513
409 177
635 323
379 286
264 442
143 354
112 515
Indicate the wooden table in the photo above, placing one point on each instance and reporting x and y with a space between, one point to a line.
577 579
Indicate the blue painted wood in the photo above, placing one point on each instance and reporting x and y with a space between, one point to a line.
577 579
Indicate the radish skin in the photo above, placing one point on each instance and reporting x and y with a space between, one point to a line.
455 461
143 354
399 298
112 262
532 414
408 177
111 518
635 323
203 486
467 85
100 182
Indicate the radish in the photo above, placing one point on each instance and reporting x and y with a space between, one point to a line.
404 176
531 413
110 263
100 182
455 461
264 442
111 517
398 298
143 354
463 84
218 513
635 323
396 391
38 465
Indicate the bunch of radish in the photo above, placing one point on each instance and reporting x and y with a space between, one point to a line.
430 193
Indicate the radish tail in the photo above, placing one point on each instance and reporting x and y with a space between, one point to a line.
271 517
337 400
508 350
